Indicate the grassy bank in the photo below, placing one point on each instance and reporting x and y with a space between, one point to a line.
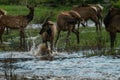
89 39
91 42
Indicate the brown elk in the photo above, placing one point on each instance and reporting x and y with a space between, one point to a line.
88 13
18 22
48 33
99 9
66 22
112 23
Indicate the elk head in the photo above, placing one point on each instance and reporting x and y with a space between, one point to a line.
114 11
46 25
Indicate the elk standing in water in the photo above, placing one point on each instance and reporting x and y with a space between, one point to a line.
112 23
66 22
17 22
48 33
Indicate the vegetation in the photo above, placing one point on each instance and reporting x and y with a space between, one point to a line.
59 2
88 37
116 3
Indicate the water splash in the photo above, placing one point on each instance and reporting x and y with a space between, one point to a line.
33 48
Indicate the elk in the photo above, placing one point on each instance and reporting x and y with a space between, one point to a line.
66 22
99 10
48 33
88 13
18 22
112 23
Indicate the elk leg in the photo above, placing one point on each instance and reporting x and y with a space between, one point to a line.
51 45
58 35
7 30
83 25
21 38
1 38
86 23
100 19
112 38
77 34
67 37
46 44
97 23
1 31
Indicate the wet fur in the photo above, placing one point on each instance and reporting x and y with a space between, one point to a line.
44 52
48 33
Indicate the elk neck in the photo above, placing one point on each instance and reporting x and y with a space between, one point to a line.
30 15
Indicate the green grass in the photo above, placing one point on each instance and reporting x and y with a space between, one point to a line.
89 39
39 10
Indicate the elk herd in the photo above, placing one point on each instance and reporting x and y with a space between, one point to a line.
66 21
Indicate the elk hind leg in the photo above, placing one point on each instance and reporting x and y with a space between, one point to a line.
58 35
97 23
77 34
112 38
